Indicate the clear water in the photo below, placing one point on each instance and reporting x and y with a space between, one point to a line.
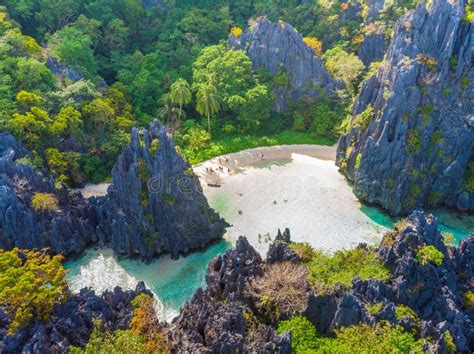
460 225
174 281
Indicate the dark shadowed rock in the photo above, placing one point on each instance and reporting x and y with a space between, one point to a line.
72 322
214 321
278 47
155 203
417 143
66 230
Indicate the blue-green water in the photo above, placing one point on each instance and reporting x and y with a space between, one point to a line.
459 224
172 281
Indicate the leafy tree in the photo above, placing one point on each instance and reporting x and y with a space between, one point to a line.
168 112
30 126
344 66
103 341
208 102
314 44
31 283
74 47
180 94
67 122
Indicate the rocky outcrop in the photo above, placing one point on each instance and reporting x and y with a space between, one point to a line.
219 319
214 320
66 230
412 133
155 203
279 48
72 322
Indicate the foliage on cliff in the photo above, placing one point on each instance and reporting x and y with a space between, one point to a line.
31 283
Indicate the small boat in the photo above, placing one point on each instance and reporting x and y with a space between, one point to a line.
214 185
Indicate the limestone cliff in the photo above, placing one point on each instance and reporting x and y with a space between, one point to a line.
64 229
412 133
155 204
279 48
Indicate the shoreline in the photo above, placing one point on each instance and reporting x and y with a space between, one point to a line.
214 170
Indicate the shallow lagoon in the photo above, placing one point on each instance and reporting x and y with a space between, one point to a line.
307 195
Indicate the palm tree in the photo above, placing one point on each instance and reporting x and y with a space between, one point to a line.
168 111
208 102
180 94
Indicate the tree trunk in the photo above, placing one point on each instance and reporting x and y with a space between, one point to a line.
209 123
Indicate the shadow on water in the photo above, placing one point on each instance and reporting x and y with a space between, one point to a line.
458 223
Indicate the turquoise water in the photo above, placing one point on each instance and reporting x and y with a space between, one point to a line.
172 281
459 224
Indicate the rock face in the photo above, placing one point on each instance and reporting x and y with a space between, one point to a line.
65 231
278 48
155 204
72 322
412 133
217 319
213 321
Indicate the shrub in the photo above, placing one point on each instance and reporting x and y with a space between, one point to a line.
374 308
314 44
103 341
413 141
469 12
44 202
31 284
362 338
357 164
303 333
403 311
429 254
449 342
145 324
236 31
280 290
342 267
428 62
469 177
362 120
468 298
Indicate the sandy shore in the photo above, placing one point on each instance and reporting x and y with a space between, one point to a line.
213 171
217 168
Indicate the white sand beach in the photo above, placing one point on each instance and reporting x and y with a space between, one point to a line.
287 189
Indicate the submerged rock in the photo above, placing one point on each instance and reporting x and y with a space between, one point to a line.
278 48
411 139
155 204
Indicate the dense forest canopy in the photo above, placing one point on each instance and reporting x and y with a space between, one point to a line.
77 75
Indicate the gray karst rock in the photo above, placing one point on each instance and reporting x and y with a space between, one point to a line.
72 322
412 133
279 48
66 230
155 204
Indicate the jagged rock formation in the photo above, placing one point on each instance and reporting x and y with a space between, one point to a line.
214 321
412 133
278 47
155 204
217 319
72 322
66 230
